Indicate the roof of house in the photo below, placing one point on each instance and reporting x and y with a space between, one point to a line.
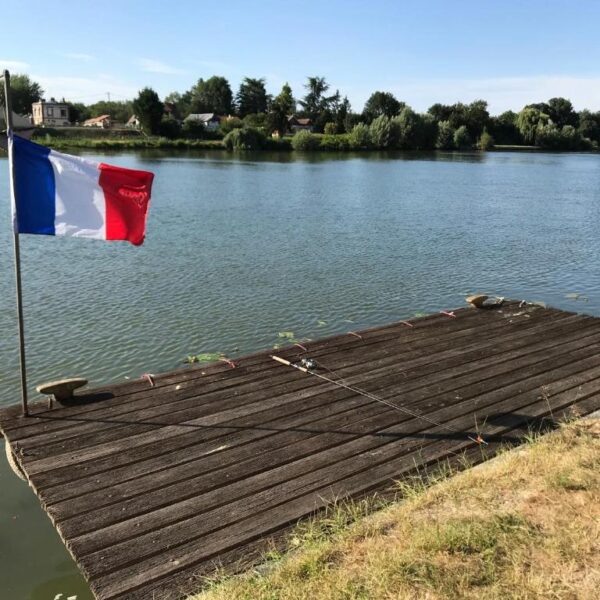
132 119
96 119
202 117
305 122
51 101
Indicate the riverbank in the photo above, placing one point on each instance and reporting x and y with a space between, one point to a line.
322 143
524 525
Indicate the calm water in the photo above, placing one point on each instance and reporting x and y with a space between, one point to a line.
241 249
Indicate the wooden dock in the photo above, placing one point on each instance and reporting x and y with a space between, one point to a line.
151 486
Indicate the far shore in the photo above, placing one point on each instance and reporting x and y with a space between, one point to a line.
271 144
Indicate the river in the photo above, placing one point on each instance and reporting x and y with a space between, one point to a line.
240 248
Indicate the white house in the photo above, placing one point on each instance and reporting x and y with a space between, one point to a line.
209 120
50 114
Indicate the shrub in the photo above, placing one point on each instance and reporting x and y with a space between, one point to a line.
486 141
380 132
445 136
256 120
462 139
247 138
335 142
330 128
230 124
169 128
304 140
360 137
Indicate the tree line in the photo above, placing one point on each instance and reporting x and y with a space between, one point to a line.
384 122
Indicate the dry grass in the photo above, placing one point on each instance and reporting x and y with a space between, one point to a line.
525 525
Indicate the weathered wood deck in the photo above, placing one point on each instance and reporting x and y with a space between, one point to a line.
149 486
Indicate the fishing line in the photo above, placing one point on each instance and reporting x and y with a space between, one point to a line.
312 363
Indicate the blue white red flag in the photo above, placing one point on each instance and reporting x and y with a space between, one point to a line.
59 194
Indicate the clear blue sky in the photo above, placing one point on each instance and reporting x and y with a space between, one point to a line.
509 52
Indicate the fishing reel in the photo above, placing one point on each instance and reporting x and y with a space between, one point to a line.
310 364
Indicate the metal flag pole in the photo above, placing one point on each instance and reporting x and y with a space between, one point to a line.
9 133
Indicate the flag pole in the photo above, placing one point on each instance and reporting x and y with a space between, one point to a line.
17 251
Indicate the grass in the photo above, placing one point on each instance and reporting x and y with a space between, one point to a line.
525 526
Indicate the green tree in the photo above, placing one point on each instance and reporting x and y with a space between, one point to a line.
149 110
212 96
561 113
316 104
282 107
252 97
382 103
504 130
78 112
118 111
381 133
589 125
285 100
181 102
462 139
445 136
440 112
24 92
407 124
341 117
477 118
360 137
486 141
528 121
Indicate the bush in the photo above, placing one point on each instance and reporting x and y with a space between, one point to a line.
380 132
462 139
247 138
486 141
230 124
330 128
445 136
335 142
169 128
304 140
256 120
360 137
193 130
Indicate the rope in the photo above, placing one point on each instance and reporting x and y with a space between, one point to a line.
416 415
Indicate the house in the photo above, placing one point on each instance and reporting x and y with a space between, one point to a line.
295 124
133 122
209 120
50 114
103 121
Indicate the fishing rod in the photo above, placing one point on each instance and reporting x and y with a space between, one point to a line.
307 365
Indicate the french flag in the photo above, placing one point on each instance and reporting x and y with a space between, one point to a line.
59 194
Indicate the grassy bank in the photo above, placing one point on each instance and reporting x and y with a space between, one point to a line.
110 140
525 525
